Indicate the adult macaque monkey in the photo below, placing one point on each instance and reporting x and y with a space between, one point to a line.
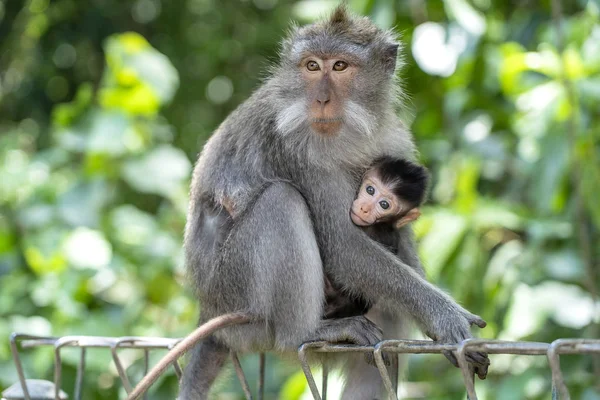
288 161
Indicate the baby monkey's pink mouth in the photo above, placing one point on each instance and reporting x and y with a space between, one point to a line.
358 220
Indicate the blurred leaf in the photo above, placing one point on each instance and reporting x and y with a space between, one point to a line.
43 251
139 79
568 305
85 248
294 387
83 203
573 64
132 226
466 185
65 114
162 171
442 239
586 149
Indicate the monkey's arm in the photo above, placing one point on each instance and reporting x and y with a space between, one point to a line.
391 280
365 268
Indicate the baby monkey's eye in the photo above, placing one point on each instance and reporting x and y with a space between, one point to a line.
370 190
340 66
312 66
384 204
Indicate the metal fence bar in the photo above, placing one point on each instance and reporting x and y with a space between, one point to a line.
58 345
241 376
306 367
566 346
176 366
120 369
146 367
80 374
178 370
261 376
466 371
325 378
15 353
396 347
385 376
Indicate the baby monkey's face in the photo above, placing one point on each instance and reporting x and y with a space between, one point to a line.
376 202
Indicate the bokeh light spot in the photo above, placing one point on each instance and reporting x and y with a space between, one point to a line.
219 90
437 49
86 248
64 56
144 11
478 129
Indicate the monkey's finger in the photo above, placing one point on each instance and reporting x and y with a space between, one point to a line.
387 359
477 320
369 359
482 371
451 358
373 332
480 363
478 358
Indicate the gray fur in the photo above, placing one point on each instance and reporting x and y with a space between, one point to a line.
292 190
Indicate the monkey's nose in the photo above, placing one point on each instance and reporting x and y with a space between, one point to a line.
323 100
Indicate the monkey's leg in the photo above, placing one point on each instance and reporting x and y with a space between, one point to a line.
206 361
271 264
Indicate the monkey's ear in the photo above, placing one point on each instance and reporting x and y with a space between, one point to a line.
390 55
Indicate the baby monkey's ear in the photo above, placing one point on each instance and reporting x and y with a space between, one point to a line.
409 217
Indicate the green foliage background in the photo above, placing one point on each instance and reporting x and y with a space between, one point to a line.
104 106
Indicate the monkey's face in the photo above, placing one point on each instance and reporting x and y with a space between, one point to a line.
376 202
327 82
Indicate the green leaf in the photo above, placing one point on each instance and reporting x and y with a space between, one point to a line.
162 171
442 239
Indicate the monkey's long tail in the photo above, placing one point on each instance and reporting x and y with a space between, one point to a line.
187 343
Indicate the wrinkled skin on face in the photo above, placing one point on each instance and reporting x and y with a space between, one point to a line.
377 202
327 84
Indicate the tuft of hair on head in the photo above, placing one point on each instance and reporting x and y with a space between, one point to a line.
340 15
407 180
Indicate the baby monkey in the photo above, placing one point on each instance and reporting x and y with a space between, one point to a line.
389 198
391 192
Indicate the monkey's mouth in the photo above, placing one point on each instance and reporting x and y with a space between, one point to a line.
326 120
327 126
358 220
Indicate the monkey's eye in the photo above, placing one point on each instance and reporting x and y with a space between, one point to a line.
312 66
384 204
370 190
340 66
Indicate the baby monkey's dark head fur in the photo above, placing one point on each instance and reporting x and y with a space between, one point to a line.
405 179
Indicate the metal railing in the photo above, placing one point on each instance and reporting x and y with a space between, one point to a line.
550 350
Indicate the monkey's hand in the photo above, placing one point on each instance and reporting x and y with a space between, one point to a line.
357 330
454 328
